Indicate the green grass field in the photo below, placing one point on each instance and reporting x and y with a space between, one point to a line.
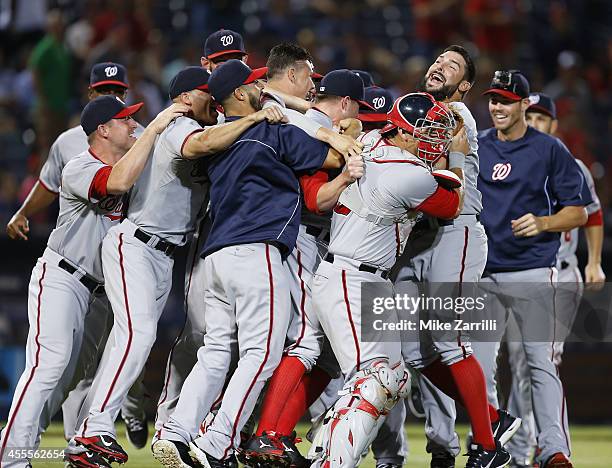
592 447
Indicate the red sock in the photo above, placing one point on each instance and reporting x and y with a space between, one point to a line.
464 382
308 390
285 379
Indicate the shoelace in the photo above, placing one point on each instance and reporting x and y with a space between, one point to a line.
134 424
475 458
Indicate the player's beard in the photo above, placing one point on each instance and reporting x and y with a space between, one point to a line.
441 94
254 99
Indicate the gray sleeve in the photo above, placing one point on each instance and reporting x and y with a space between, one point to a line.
300 120
78 178
51 172
409 187
176 135
596 205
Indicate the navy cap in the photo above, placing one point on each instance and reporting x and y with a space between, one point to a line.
510 84
381 101
108 73
223 42
104 108
230 75
188 79
366 77
343 83
540 102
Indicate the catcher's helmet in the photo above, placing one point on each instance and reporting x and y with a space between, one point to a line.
430 122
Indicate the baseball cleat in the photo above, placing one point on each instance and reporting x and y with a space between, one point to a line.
206 460
86 459
172 454
442 460
136 431
105 446
558 460
505 427
387 465
266 450
296 460
478 457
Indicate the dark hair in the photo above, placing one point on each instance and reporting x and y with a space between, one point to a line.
470 69
285 55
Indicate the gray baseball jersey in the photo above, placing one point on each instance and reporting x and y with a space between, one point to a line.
389 190
569 240
168 196
70 143
472 200
86 213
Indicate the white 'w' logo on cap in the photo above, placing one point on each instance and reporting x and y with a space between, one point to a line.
227 40
378 102
110 71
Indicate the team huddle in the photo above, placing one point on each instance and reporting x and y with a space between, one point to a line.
291 191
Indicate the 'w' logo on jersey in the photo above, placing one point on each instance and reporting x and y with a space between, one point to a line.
501 171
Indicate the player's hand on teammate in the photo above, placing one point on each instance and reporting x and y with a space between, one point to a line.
460 142
350 127
528 225
355 168
346 145
18 227
594 277
166 116
272 114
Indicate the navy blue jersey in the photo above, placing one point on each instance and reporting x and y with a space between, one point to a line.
255 193
534 174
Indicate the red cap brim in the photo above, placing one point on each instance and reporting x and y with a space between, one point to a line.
372 117
225 52
256 74
316 76
204 87
129 110
109 82
365 104
502 92
387 128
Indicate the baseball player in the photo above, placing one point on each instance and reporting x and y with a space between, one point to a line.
542 115
137 254
363 248
297 382
106 78
285 60
448 251
532 189
219 47
255 200
69 272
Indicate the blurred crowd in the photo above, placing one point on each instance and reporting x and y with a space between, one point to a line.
47 47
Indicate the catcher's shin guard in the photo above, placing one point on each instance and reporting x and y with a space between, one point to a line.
352 423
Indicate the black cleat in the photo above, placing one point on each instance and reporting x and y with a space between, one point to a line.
442 460
105 446
478 457
172 454
296 460
137 431
505 427
86 459
264 450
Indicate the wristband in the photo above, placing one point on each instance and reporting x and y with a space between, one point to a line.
456 160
